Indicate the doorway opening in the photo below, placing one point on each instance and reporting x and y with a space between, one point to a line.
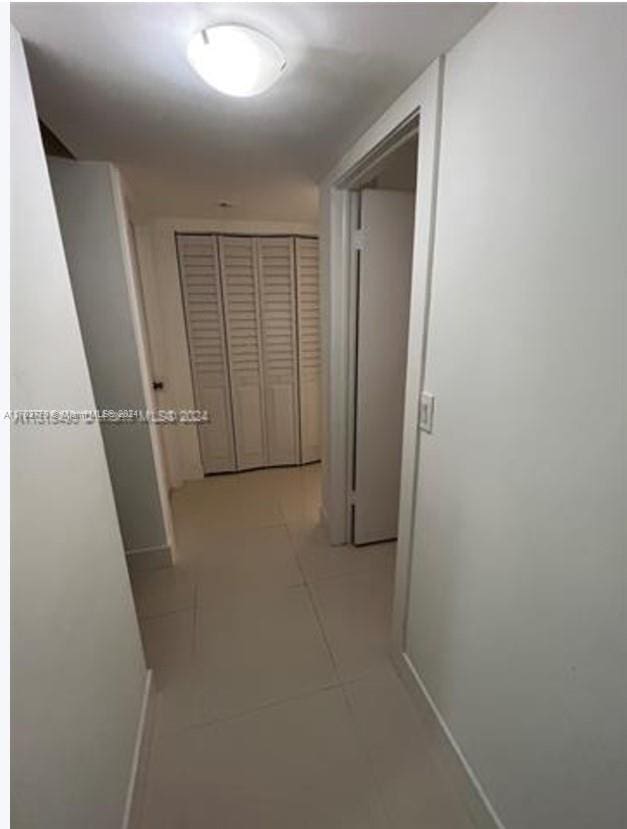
417 111
382 204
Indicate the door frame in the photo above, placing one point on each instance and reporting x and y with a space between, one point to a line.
159 276
423 99
138 319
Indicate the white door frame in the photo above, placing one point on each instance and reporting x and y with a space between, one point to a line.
138 322
423 99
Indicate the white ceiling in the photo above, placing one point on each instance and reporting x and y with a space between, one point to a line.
112 81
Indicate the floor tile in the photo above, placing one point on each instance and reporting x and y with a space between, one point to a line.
251 725
255 650
312 478
296 765
356 614
169 647
320 559
252 561
414 790
301 501
196 498
168 641
225 501
190 540
165 590
169 783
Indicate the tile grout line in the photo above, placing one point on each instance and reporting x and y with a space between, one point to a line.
315 609
302 695
323 633
366 752
149 617
343 684
246 712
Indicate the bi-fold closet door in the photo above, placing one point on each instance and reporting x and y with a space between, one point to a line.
309 358
252 314
238 270
199 269
280 352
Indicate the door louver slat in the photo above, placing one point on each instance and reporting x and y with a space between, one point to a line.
199 274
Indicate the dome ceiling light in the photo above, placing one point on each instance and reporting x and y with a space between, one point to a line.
236 60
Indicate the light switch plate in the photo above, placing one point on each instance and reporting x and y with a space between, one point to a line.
425 416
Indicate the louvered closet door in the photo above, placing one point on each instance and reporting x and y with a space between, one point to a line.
278 325
308 300
198 265
238 269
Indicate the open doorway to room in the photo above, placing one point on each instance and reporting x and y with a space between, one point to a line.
382 230
377 223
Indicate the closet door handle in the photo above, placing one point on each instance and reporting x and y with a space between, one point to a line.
157 385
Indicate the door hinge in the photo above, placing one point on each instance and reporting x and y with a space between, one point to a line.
359 239
352 498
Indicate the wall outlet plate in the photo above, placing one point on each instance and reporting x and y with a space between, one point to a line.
425 414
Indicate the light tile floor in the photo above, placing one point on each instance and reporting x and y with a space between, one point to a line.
277 703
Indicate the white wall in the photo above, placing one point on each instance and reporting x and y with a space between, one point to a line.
84 197
78 670
517 600
198 192
166 324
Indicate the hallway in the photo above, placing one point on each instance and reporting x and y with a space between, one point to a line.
277 704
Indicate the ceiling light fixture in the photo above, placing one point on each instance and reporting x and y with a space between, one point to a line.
236 60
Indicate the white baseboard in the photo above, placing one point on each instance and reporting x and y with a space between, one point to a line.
457 766
149 558
131 807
